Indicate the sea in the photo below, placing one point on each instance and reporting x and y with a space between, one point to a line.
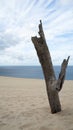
34 72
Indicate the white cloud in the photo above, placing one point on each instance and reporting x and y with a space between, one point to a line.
66 2
19 21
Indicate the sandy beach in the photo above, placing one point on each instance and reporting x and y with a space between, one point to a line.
24 106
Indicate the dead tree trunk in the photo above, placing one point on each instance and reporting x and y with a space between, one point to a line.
53 86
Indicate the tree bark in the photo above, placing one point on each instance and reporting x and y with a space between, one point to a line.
53 86
62 74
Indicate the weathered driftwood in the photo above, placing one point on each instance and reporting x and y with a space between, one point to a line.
53 86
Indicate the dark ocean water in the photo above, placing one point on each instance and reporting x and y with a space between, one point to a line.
31 72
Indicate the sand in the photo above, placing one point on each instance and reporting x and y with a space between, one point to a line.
24 106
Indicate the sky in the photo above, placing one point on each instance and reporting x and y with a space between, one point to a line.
19 21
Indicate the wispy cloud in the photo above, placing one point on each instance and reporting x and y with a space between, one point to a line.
19 21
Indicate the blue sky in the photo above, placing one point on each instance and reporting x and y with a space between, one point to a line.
19 21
